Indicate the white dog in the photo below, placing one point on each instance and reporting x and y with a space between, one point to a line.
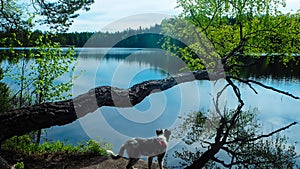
150 147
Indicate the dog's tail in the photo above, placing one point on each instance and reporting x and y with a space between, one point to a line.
113 155
116 156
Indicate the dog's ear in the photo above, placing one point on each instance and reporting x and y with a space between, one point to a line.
159 132
167 133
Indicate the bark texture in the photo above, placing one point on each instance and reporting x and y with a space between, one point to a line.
24 120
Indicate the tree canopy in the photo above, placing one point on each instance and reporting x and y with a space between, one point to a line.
236 29
37 86
58 14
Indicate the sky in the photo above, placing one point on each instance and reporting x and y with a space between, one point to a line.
105 12
113 15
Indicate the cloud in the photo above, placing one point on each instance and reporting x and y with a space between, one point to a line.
135 22
103 13
291 6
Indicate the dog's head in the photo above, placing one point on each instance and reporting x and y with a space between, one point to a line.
164 132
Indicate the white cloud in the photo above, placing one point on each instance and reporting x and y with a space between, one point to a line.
291 6
135 22
105 12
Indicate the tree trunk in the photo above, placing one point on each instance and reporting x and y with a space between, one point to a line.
24 120
205 157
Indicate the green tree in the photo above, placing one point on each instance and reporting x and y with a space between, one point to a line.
5 92
234 29
57 14
14 16
50 63
40 81
42 74
220 37
18 18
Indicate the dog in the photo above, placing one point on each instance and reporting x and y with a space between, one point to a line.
150 147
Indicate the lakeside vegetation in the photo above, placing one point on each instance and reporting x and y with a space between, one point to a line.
25 153
25 145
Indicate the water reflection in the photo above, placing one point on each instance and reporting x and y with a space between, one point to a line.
125 67
161 110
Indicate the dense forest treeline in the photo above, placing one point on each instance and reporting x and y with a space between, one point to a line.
139 38
152 37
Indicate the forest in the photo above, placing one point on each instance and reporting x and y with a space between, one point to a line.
141 38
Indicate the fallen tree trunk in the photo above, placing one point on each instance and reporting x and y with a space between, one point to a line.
24 120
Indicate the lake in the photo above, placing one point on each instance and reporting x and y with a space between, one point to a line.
122 67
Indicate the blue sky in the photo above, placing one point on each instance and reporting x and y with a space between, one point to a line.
105 12
109 12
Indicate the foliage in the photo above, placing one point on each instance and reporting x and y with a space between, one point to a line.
14 16
24 144
51 64
17 20
221 37
58 15
5 92
140 38
40 74
275 152
19 165
227 31
36 72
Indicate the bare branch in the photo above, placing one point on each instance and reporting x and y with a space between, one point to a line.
229 151
221 162
270 134
216 103
236 90
206 142
261 136
248 81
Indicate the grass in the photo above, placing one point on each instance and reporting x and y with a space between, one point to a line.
25 145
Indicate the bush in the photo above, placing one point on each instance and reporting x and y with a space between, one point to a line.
19 165
24 144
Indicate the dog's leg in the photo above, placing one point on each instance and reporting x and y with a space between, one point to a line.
131 162
160 159
150 162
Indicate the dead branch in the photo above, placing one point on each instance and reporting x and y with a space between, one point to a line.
261 136
248 81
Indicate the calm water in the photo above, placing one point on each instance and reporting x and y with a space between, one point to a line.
126 67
